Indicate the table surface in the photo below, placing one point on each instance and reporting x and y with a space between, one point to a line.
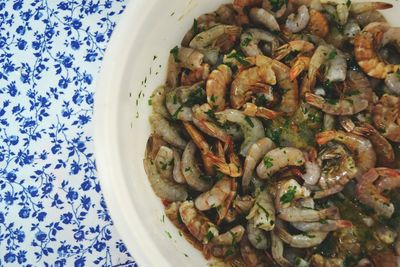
52 212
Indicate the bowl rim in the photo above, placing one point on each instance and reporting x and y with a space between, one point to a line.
105 126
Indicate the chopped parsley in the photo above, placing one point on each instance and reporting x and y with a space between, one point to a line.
206 178
277 4
308 235
195 97
175 51
175 115
268 162
240 58
209 236
289 195
261 101
249 121
263 209
332 54
348 3
195 27
149 102
246 41
168 234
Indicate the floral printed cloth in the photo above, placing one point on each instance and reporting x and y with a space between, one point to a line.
52 212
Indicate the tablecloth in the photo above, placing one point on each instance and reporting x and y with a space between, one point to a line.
52 212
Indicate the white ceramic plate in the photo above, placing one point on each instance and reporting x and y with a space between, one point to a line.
133 66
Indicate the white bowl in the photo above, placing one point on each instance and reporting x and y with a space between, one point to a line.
130 72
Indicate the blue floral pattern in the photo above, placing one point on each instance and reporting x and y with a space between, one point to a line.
52 212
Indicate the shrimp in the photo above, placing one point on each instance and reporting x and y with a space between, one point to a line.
351 29
263 211
313 170
366 55
216 86
153 146
189 58
222 36
367 17
251 38
290 98
173 70
322 226
318 260
361 147
164 162
232 236
389 179
157 100
296 23
243 204
384 116
210 160
263 17
254 155
384 150
347 106
164 189
279 158
357 97
194 76
293 46
250 256
175 102
318 24
252 110
252 128
167 132
392 82
290 191
257 237
247 81
215 196
201 119
320 56
177 171
338 170
277 250
336 68
303 240
197 224
191 171
369 194
358 8
300 64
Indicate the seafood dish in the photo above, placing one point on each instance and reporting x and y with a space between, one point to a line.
276 136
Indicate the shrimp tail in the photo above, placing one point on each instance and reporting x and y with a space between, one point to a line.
300 65
343 224
315 100
325 137
331 212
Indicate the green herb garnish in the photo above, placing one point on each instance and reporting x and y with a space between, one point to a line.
267 162
249 121
175 51
195 27
332 54
289 195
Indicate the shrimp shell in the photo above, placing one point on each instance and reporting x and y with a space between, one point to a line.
279 158
164 189
167 132
191 171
